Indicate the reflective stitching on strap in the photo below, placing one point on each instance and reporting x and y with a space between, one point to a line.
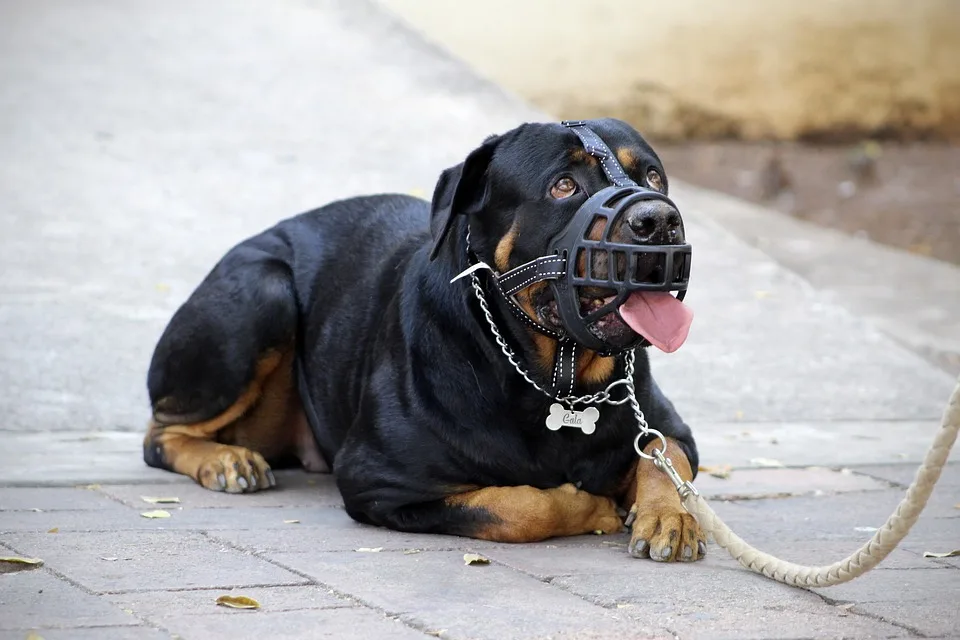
595 146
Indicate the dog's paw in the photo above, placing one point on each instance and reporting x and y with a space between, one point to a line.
235 470
665 533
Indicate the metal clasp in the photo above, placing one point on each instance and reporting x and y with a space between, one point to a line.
684 488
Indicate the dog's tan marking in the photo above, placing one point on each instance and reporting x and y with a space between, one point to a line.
627 158
527 514
594 369
501 256
580 155
662 530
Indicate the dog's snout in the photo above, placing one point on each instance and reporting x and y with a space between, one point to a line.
654 222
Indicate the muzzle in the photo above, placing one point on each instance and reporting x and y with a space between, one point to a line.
630 268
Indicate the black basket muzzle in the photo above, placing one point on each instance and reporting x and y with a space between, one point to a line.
618 268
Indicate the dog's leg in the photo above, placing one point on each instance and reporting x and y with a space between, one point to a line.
526 514
662 528
193 449
221 380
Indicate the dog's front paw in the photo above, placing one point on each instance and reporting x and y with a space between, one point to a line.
665 533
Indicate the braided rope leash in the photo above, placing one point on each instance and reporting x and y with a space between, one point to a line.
863 559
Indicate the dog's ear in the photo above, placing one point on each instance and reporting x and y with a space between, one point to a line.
460 191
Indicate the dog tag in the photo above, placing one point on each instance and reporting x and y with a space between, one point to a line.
585 420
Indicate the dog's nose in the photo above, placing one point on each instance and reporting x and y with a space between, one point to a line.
655 222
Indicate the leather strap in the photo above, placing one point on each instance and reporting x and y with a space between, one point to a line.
543 268
599 150
565 368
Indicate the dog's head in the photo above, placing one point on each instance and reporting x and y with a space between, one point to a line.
519 190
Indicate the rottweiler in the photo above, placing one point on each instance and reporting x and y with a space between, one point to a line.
341 338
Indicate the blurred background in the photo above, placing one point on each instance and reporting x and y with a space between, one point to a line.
845 113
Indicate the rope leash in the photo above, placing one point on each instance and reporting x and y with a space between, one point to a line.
860 561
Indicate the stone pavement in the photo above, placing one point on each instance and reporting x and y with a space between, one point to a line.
142 139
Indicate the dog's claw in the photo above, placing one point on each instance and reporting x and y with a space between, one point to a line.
271 478
222 480
639 548
631 516
702 548
664 555
242 482
687 552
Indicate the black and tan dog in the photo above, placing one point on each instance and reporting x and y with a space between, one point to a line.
334 337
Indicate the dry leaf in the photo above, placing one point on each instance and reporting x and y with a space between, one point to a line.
945 554
718 471
159 513
109 558
89 487
291 522
474 558
846 606
410 552
35 510
766 462
168 500
437 633
238 602
54 530
623 606
370 549
19 560
34 636
865 529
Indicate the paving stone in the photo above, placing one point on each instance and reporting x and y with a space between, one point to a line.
338 624
939 586
53 499
840 517
294 489
90 633
759 483
903 475
703 601
148 561
937 619
34 599
161 605
489 601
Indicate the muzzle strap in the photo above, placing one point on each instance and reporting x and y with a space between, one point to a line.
543 268
565 368
599 150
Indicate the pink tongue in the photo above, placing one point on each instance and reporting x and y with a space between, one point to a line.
658 317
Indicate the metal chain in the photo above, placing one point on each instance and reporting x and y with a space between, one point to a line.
599 397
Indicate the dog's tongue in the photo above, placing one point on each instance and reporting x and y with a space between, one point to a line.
658 317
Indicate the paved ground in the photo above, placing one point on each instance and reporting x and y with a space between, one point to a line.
142 139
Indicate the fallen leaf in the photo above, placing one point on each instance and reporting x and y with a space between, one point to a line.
35 510
370 549
437 633
865 529
474 558
238 602
624 606
89 487
34 636
109 558
598 532
291 522
846 606
766 462
54 530
945 554
410 552
19 560
159 513
168 500
718 471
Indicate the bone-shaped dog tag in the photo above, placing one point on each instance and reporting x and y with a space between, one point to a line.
585 420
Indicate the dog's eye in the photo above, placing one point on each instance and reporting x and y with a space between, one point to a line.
563 188
654 180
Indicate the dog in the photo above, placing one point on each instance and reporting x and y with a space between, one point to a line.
341 338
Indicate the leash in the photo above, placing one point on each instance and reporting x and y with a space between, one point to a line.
864 559
860 561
